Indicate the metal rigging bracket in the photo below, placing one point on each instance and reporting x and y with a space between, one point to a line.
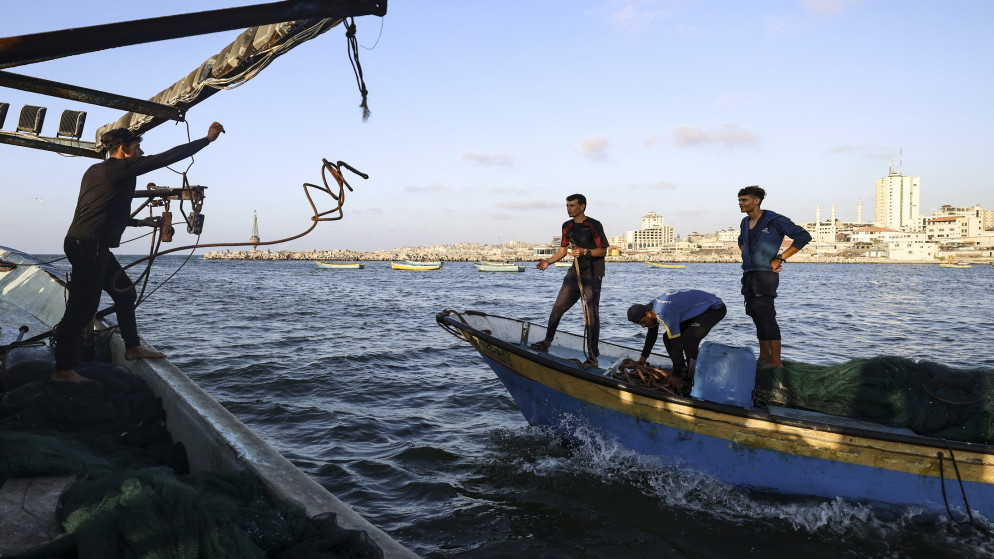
160 196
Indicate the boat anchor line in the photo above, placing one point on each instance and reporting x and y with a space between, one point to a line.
945 500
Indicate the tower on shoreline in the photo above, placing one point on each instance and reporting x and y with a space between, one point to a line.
898 201
254 239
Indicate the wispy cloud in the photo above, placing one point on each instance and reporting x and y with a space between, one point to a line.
485 159
506 190
663 185
730 135
594 148
528 205
651 141
434 187
829 7
810 12
861 151
634 15
731 100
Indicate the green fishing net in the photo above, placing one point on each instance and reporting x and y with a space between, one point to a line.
929 398
134 496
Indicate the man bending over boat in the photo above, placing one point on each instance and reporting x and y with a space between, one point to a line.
584 240
103 211
687 315
761 234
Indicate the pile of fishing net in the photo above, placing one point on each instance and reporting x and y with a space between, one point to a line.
134 495
929 398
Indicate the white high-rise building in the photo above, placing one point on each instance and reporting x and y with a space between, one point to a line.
651 220
898 202
651 237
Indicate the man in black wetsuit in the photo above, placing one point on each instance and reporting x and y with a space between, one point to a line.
584 240
103 211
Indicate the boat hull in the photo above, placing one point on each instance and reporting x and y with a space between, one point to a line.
499 267
337 266
414 267
658 265
753 449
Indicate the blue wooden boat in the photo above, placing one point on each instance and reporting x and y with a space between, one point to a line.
777 450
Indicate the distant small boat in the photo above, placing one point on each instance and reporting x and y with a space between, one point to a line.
950 264
340 266
416 263
564 264
499 267
417 266
661 265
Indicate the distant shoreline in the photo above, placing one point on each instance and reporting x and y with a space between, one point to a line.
404 255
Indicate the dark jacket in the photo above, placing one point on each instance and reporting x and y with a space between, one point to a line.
103 209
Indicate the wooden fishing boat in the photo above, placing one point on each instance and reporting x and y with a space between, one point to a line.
33 295
770 449
564 263
662 265
499 267
409 266
423 263
340 265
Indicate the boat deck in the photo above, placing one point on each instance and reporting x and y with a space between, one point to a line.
12 318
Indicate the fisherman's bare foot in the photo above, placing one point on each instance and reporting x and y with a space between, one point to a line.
140 352
68 375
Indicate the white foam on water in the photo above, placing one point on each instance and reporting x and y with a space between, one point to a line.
683 487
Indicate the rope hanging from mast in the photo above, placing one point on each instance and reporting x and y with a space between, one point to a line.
353 48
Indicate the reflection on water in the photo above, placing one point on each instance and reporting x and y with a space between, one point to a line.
346 373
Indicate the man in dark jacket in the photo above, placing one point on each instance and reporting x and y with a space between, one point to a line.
760 237
103 211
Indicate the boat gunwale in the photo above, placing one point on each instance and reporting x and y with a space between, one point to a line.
807 424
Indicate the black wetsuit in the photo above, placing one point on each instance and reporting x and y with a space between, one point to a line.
103 211
588 234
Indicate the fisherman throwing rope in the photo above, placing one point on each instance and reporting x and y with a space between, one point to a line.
103 211
687 315
583 239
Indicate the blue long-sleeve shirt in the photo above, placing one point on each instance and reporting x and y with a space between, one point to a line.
681 305
672 309
770 231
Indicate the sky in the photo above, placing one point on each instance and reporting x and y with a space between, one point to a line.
487 114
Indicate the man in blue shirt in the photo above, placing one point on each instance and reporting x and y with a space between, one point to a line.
760 238
687 315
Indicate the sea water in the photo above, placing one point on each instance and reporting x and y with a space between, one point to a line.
347 374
